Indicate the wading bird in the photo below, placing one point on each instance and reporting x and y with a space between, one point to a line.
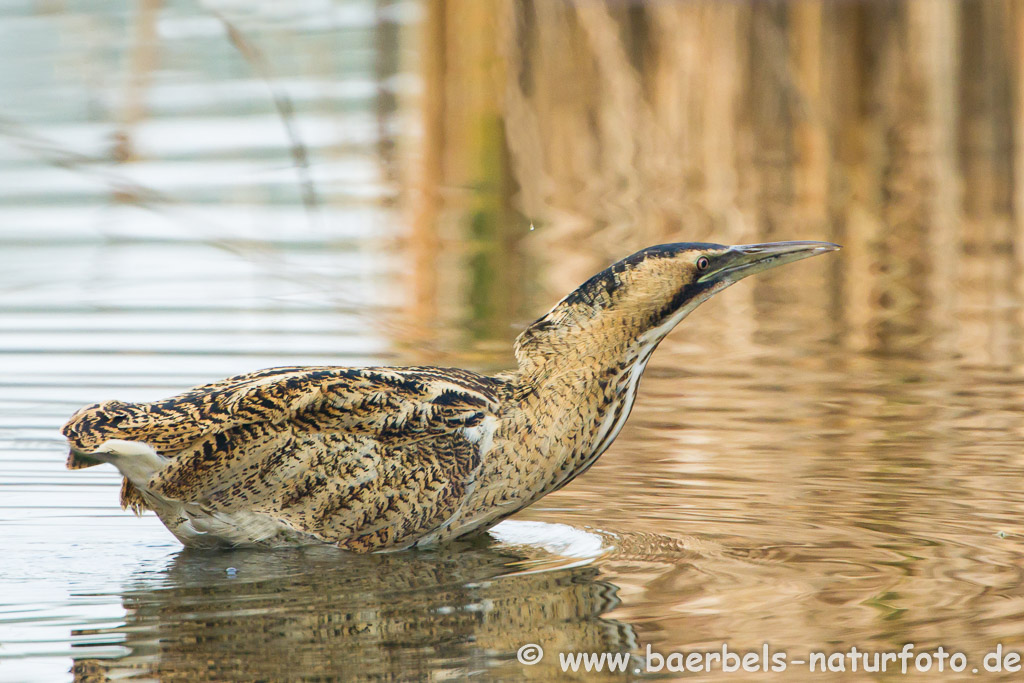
382 458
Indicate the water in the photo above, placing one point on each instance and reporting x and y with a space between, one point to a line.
822 457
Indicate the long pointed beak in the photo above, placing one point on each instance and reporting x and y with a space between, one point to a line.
738 262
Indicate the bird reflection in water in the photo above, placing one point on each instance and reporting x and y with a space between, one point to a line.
323 613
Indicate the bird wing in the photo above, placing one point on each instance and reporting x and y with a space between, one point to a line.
364 455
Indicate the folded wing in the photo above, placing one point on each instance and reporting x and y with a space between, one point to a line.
355 456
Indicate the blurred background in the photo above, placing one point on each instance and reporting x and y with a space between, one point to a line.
462 165
830 453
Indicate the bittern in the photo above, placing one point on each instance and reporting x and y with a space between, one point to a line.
382 458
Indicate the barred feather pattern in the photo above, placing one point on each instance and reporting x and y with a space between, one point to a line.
364 458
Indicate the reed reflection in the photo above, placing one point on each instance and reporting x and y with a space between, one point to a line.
887 127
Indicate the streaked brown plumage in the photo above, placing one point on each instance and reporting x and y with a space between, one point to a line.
390 458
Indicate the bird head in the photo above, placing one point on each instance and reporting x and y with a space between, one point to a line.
639 299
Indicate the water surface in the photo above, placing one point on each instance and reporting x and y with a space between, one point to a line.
822 457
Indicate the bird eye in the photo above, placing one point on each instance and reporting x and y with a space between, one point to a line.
703 263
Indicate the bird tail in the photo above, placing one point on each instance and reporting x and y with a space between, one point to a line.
136 461
89 429
80 459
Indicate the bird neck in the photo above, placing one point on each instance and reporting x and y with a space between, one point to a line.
575 390
583 355
583 342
